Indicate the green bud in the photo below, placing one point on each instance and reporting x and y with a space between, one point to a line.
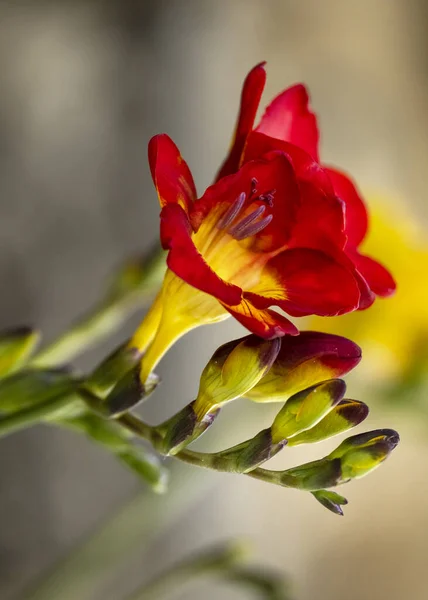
16 347
346 415
364 452
303 361
354 458
233 370
331 500
305 409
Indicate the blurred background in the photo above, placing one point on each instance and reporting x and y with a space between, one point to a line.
84 85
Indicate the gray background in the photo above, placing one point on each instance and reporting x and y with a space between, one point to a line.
83 85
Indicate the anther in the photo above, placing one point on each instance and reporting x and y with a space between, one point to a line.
235 231
268 197
232 212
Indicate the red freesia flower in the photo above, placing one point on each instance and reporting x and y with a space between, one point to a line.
275 229
288 125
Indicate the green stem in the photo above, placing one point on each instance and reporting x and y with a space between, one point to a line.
34 414
205 460
138 427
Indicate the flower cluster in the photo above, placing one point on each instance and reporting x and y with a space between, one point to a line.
276 228
303 373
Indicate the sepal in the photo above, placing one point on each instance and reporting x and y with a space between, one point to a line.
130 391
112 370
183 428
331 501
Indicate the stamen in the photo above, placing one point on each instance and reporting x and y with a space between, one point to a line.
236 229
254 183
232 212
269 199
254 228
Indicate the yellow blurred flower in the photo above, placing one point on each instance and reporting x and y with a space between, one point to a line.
392 331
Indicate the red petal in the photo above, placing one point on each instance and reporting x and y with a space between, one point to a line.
171 175
186 262
356 220
273 171
367 297
250 99
306 168
320 220
343 258
377 276
303 281
289 118
267 324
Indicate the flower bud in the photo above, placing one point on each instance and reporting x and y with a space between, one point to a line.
16 346
354 458
305 409
331 500
233 370
304 361
344 416
362 453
